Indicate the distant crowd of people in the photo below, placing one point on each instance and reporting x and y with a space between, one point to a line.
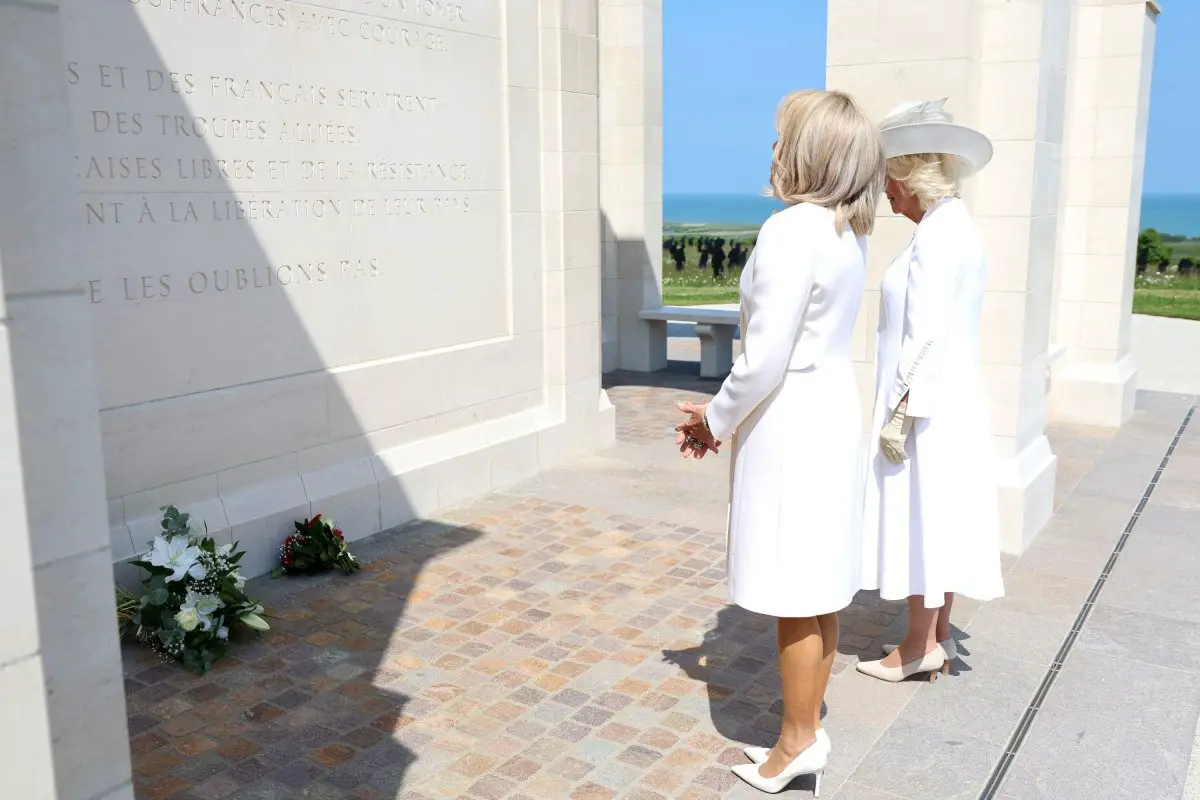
1186 266
712 252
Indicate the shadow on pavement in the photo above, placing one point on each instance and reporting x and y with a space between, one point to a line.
737 661
320 706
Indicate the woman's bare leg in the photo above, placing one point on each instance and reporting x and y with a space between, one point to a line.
921 636
943 620
801 657
829 642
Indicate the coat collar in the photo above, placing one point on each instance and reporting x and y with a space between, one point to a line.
938 206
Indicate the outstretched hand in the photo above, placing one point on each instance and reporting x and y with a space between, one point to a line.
694 438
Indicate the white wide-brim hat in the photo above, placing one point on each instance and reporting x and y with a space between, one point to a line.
925 127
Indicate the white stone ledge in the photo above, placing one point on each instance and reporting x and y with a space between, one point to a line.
29 5
388 487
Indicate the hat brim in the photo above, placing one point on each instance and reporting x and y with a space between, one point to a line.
938 137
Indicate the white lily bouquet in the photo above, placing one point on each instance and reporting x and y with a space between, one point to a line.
193 594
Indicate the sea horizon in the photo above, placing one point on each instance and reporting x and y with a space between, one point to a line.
1172 214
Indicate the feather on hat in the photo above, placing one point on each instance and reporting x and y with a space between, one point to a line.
925 126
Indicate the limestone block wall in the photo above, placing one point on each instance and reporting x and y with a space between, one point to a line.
631 182
339 257
1108 103
1002 65
882 54
64 731
1023 81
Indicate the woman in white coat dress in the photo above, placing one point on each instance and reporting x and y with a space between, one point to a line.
931 526
791 405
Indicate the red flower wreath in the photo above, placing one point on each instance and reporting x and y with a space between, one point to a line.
316 546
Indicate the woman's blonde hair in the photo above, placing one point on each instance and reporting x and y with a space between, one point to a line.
829 153
929 176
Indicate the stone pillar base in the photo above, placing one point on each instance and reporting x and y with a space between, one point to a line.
1026 494
1086 393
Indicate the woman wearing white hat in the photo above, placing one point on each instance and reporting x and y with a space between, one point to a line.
931 527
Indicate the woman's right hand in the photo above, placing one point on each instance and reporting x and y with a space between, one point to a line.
695 439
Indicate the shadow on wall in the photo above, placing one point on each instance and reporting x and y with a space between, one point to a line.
219 303
252 285
629 284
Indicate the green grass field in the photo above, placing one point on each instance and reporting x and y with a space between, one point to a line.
1167 295
1164 295
692 286
698 289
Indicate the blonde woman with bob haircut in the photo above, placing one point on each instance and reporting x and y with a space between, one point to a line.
791 407
931 526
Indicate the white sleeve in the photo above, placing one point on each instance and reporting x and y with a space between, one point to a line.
928 303
780 286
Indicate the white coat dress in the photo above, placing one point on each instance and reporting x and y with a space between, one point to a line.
931 523
791 406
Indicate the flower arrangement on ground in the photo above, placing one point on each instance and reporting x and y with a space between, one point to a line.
317 546
192 597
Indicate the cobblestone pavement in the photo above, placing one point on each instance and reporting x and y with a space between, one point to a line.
570 638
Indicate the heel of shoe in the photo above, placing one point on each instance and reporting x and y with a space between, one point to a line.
809 762
817 784
946 667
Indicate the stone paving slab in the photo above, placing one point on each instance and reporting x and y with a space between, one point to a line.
1164 350
1120 718
571 638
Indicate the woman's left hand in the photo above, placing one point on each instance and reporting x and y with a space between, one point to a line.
695 440
894 436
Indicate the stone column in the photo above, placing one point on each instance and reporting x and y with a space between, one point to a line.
631 182
1108 101
60 666
571 225
1002 64
25 754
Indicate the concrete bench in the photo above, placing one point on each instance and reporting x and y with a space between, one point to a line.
715 328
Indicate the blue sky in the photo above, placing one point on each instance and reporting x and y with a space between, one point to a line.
727 63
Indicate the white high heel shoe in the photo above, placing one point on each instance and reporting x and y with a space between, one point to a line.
949 646
810 762
933 662
759 755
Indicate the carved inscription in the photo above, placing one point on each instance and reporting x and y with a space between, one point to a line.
163 286
281 17
253 173
152 210
130 126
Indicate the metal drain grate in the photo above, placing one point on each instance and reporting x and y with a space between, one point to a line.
996 779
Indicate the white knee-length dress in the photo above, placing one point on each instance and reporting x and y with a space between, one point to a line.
791 405
931 524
